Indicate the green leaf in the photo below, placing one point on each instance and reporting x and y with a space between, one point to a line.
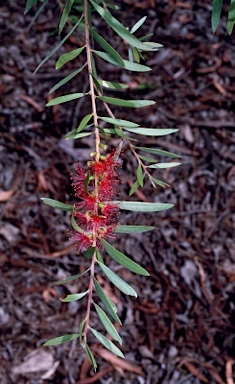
107 324
81 327
231 17
118 281
120 258
146 158
126 103
61 339
57 204
67 78
97 83
107 47
216 11
136 55
122 123
155 182
137 206
108 303
29 5
140 176
159 152
65 99
74 297
70 278
84 122
59 45
133 228
119 28
134 188
138 24
107 343
66 57
120 133
112 85
88 254
164 165
74 135
128 65
90 356
65 14
151 131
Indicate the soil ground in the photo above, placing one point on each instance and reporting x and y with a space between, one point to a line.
180 329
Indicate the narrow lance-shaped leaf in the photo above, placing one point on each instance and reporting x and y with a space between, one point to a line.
65 98
164 165
128 65
74 297
29 5
151 131
137 206
133 228
107 324
120 258
108 303
59 45
70 278
90 356
140 176
118 281
107 343
122 123
81 328
231 17
216 11
120 29
156 151
107 47
127 103
112 85
84 122
138 24
66 57
65 14
57 204
66 79
134 187
61 339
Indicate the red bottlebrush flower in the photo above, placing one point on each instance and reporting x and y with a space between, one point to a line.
82 241
78 179
88 202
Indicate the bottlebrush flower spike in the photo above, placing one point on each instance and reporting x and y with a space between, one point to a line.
95 213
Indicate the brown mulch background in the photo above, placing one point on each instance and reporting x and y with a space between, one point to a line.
180 329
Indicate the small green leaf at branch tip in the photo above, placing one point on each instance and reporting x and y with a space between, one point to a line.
122 123
74 297
137 206
57 204
108 303
71 278
118 281
107 343
164 165
65 99
127 103
151 131
90 356
133 228
66 57
107 324
120 258
61 339
137 25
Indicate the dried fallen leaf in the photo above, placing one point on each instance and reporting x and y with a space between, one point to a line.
36 361
5 195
